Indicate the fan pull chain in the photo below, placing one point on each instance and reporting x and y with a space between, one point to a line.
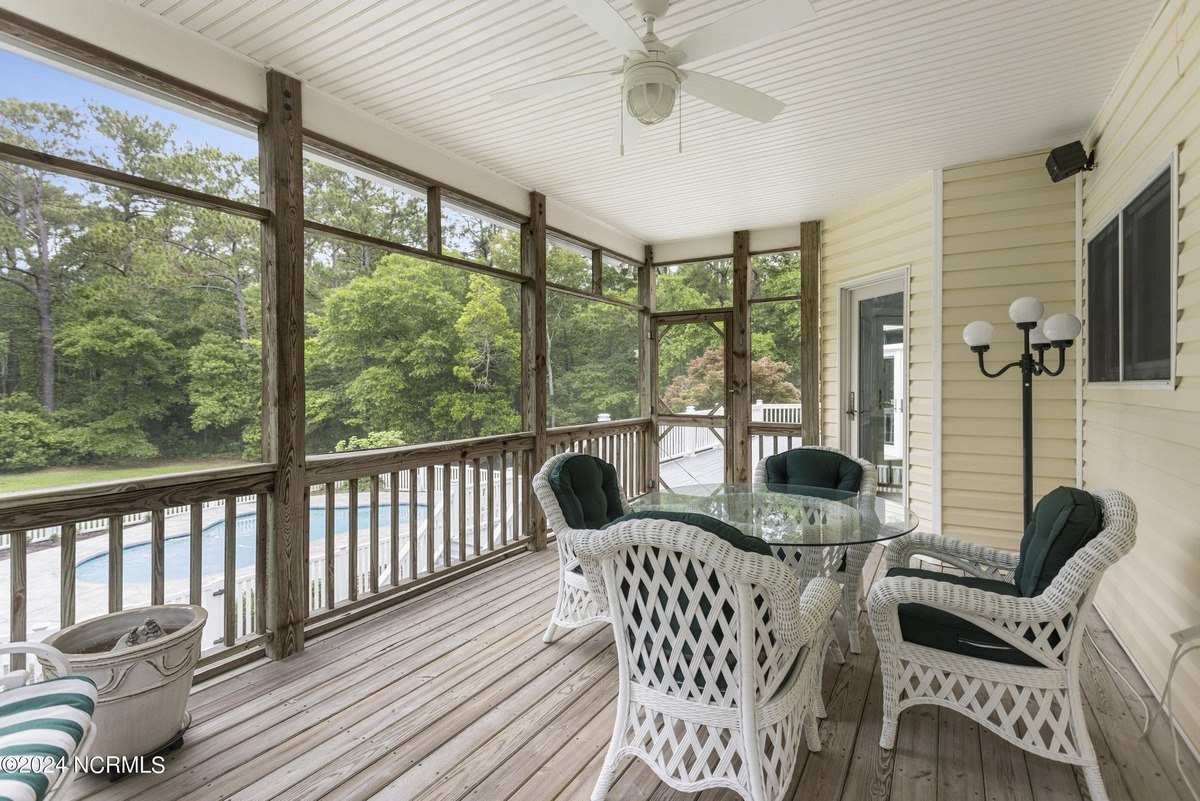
679 92
621 112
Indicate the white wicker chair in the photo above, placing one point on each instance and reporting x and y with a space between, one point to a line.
1039 708
575 605
721 698
51 722
842 564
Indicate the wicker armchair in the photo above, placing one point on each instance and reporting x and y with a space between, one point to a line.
576 605
720 695
1030 697
843 564
46 722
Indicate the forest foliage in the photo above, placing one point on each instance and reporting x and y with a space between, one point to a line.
130 326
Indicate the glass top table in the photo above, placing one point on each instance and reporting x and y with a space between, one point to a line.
783 515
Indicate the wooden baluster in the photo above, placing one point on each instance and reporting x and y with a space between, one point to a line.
477 523
412 524
158 543
374 534
430 519
491 503
116 566
17 596
504 491
66 567
394 542
462 510
447 526
352 540
230 570
330 554
195 552
312 596
260 559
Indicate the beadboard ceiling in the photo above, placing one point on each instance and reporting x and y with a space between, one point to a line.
877 91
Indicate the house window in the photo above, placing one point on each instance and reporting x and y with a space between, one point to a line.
1130 307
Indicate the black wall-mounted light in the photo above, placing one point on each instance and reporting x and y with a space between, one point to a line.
1066 160
1059 332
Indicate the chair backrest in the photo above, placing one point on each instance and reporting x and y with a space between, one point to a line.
579 491
695 618
1070 592
1063 522
818 467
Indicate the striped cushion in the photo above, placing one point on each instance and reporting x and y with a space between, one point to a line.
45 719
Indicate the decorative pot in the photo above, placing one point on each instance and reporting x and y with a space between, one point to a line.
143 689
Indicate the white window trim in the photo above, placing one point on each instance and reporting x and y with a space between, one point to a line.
1172 380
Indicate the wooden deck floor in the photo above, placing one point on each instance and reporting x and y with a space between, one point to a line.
453 695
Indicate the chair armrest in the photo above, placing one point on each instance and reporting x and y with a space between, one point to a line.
56 658
817 602
977 560
888 593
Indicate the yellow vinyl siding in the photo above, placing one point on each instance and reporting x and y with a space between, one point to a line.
1147 441
888 232
1007 231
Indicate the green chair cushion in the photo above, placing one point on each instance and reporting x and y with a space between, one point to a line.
811 467
710 524
945 631
825 493
1063 522
587 491
44 719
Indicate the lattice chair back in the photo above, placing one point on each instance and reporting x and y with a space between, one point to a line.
576 605
698 621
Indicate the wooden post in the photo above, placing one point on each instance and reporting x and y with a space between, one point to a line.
597 271
737 397
647 362
534 347
433 219
810 332
281 163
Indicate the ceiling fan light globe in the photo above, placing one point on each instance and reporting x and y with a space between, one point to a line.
650 103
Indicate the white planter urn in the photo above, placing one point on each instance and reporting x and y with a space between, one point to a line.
143 689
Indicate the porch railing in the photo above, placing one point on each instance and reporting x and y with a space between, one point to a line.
380 524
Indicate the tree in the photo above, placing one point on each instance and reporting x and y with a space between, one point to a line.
703 385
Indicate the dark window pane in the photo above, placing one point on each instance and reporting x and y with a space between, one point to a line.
1103 306
1147 283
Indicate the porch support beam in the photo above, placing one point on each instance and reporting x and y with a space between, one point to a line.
282 174
737 399
647 368
810 332
534 350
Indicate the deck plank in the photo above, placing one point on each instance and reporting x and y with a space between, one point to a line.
452 695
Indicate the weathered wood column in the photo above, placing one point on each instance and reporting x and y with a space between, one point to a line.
647 359
281 164
737 400
810 332
534 350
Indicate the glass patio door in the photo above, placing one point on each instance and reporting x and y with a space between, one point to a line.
691 386
874 396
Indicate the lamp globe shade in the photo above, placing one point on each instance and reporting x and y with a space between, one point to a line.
1025 310
1038 335
979 334
1062 327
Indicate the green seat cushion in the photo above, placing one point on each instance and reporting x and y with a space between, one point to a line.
1063 522
587 491
809 467
710 524
45 719
945 631
825 493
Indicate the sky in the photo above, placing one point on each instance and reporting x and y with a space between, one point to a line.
26 79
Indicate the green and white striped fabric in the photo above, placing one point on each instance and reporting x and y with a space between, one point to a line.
45 721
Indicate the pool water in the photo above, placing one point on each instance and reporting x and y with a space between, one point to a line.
177 549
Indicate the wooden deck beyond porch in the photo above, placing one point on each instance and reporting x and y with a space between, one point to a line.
453 695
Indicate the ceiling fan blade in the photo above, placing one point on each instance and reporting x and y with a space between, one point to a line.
743 27
554 86
627 128
732 96
606 21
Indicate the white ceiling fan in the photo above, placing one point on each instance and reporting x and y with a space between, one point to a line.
651 74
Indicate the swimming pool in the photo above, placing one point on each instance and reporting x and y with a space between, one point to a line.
177 551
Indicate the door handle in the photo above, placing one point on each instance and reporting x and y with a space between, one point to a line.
851 412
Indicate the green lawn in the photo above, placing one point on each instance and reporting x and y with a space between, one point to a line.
70 476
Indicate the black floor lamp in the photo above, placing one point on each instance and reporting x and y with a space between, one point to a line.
1059 331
